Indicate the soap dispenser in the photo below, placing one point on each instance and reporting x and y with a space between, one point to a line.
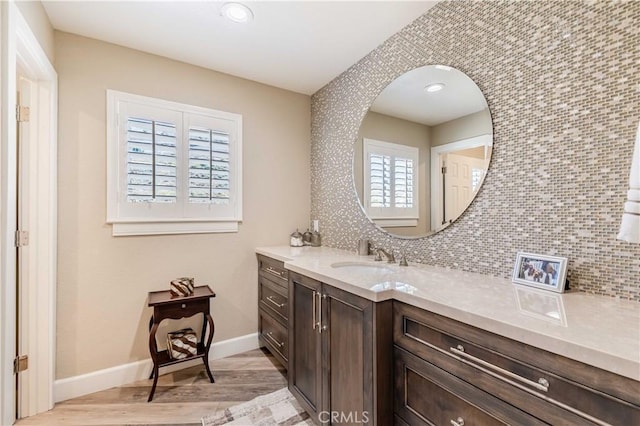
316 239
306 238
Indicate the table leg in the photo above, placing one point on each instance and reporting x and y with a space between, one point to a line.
151 325
153 349
205 359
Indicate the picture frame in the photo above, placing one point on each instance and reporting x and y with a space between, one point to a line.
541 271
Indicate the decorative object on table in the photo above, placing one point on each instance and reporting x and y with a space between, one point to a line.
630 225
278 408
363 247
316 238
537 270
182 343
296 239
181 287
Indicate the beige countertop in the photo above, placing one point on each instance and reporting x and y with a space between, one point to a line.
599 331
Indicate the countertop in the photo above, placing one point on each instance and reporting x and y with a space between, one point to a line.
599 331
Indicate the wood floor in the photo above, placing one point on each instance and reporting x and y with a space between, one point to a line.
181 398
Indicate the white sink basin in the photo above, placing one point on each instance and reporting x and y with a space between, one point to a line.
362 266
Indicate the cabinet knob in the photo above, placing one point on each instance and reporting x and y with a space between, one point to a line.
458 422
184 305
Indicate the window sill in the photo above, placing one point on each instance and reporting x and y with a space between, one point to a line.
124 229
396 223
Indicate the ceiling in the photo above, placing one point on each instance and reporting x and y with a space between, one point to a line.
406 98
295 45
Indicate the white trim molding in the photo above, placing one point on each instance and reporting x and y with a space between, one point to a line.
8 156
38 212
21 50
73 387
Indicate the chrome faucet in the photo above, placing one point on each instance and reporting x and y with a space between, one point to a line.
382 252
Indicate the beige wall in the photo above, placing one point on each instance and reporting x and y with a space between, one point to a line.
103 281
395 130
471 125
37 19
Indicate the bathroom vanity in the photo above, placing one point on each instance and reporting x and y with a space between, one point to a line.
374 343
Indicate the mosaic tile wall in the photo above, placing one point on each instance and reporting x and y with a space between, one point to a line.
562 79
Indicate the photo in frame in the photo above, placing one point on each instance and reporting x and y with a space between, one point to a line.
540 271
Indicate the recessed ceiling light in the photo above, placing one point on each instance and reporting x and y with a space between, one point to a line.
236 12
435 87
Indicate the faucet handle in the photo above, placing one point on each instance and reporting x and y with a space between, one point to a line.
378 257
403 260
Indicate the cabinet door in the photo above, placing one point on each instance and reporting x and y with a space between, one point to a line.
305 366
347 358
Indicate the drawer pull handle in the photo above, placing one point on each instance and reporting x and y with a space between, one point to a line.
279 305
542 384
269 335
314 312
274 271
458 422
321 328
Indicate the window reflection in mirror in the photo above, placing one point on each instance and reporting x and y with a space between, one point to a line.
451 131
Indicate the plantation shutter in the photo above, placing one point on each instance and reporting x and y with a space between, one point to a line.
172 168
209 173
151 161
390 180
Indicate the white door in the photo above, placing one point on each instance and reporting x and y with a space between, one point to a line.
461 182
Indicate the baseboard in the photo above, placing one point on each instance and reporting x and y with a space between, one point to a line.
73 387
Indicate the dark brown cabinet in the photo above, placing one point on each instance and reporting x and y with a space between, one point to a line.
510 381
273 308
354 361
341 365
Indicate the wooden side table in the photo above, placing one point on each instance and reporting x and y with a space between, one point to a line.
166 306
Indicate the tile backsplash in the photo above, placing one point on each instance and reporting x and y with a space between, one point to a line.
562 80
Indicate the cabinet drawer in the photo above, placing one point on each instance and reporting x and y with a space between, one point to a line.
540 382
273 268
273 298
275 337
427 395
183 310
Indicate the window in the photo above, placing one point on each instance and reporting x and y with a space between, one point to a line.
390 183
172 168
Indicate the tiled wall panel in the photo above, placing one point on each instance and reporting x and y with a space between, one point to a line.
562 79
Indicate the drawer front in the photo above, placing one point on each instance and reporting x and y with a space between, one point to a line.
473 355
181 310
427 395
274 269
274 298
275 337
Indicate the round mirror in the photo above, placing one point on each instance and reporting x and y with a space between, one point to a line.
422 151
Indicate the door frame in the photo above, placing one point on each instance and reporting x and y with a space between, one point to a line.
20 48
485 140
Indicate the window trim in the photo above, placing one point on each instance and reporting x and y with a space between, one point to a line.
154 225
390 216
